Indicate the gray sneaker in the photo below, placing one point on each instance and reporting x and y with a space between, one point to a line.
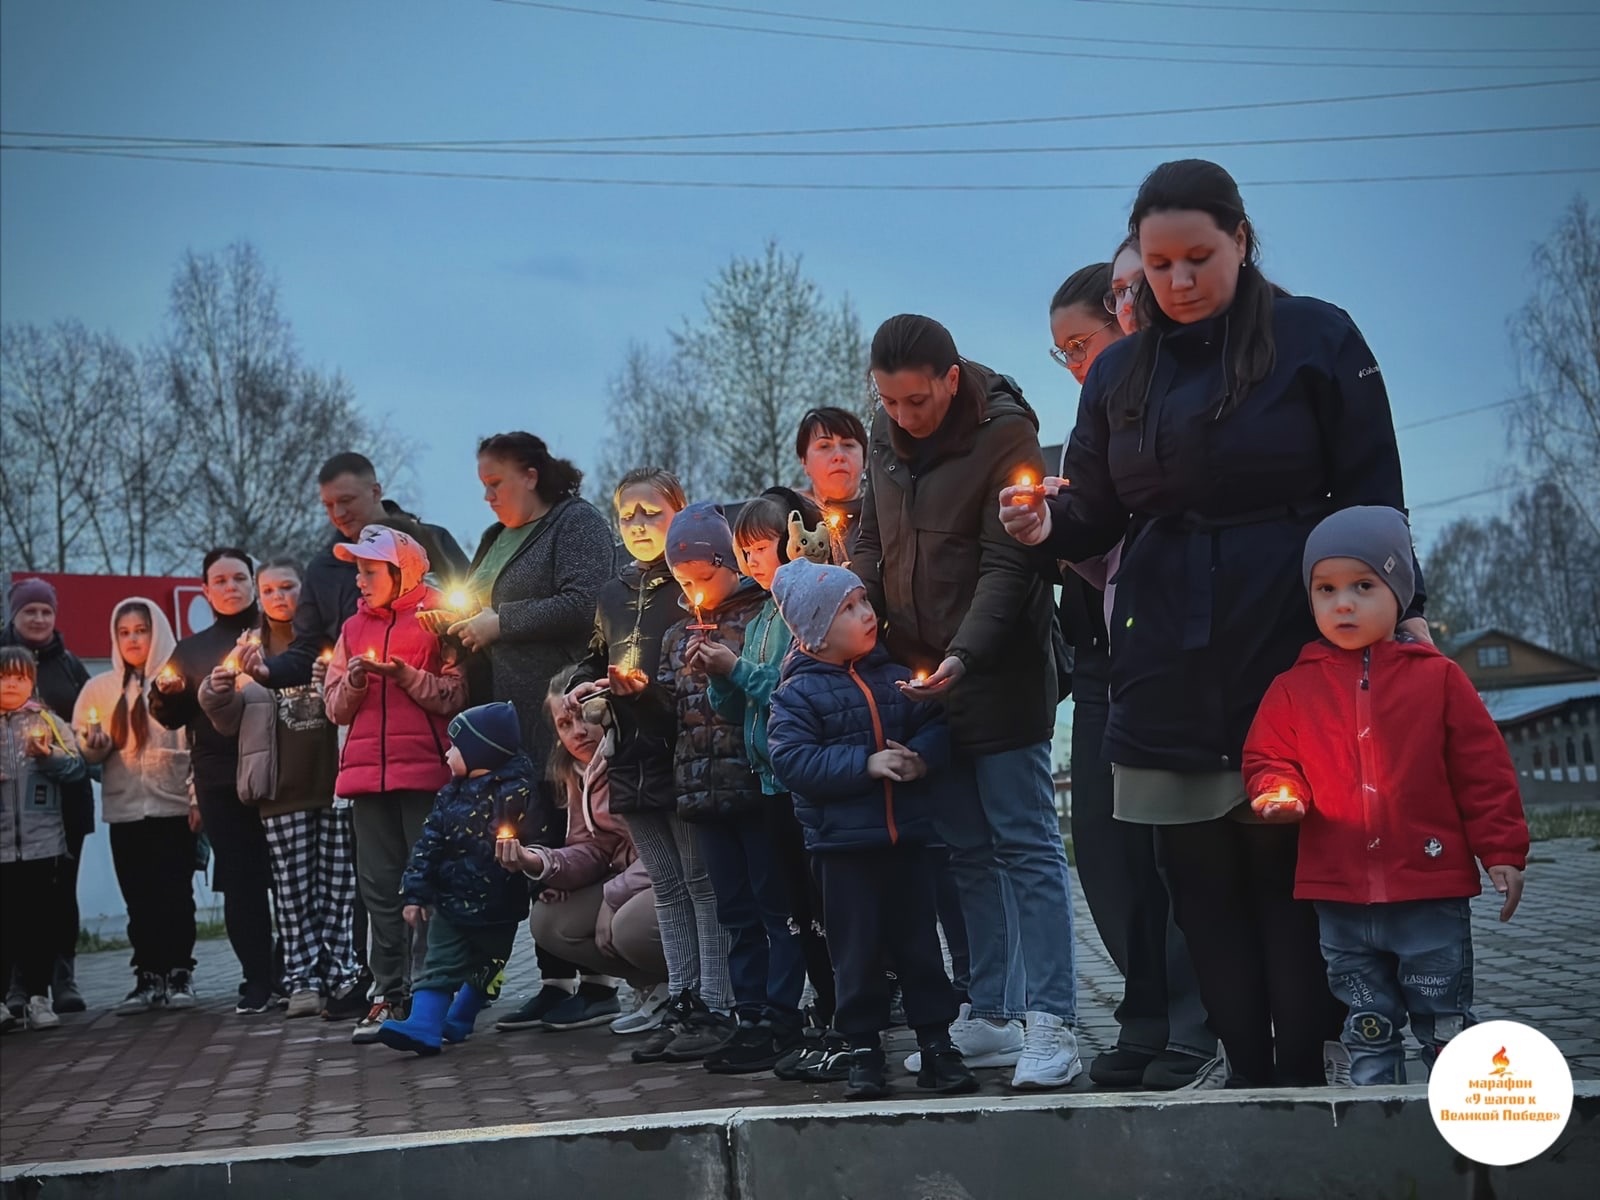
702 1033
149 992
180 989
305 1002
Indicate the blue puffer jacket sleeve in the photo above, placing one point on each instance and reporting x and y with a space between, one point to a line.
804 759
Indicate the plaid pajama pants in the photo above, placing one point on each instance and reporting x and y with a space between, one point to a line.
314 884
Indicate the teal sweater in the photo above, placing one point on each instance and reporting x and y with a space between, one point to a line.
747 693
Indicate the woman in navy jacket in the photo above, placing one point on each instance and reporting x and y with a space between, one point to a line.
1208 446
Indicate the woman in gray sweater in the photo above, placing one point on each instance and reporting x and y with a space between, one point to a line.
536 576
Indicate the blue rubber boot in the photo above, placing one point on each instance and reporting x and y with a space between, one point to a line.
464 1012
419 1032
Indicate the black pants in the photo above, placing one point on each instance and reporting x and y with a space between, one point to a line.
154 861
66 912
242 872
1160 1006
1255 948
881 909
27 936
805 902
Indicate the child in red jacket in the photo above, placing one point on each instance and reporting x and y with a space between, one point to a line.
1384 750
391 682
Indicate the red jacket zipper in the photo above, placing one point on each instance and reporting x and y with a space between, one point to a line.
383 712
1367 754
878 740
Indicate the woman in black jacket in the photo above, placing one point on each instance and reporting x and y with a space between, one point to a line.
243 872
1209 445
60 678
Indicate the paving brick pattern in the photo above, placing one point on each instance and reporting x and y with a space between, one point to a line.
104 1086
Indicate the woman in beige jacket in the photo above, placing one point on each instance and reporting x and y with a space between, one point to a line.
288 758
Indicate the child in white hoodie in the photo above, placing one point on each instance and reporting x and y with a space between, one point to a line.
145 800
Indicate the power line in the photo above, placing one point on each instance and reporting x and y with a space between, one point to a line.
1077 38
91 141
755 185
913 127
1454 13
919 43
1487 491
1464 412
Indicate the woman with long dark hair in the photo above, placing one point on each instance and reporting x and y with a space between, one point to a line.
1209 445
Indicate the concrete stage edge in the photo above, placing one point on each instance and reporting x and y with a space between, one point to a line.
1282 1144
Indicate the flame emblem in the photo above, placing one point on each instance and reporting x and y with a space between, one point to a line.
1502 1064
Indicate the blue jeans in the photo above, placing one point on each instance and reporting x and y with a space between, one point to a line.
996 813
1391 961
765 962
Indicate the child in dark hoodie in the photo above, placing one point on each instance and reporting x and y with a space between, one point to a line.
851 748
453 882
720 796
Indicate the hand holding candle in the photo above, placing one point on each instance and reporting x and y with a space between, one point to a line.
168 680
93 726
1023 512
38 745
1025 490
1281 807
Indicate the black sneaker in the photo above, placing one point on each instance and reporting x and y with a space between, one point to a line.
349 1002
673 1017
944 1072
532 1014
180 989
1171 1070
752 1048
254 998
869 1074
149 991
1120 1068
590 1005
789 1066
829 1065
702 1032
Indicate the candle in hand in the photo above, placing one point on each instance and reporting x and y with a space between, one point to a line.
94 721
700 622
168 674
370 654
231 664
459 600
920 678
1028 491
326 656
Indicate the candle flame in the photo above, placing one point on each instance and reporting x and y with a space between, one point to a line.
699 599
459 600
1283 795
370 654
1502 1062
231 663
94 716
326 656
833 520
506 831
922 677
169 672
1025 480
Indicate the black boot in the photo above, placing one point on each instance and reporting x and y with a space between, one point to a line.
869 1074
64 994
944 1072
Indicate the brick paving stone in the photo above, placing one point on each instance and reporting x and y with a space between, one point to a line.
209 1079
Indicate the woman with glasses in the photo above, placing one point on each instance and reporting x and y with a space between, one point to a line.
1209 445
1162 1042
1127 277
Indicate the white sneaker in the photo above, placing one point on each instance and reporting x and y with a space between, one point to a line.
1336 1064
982 1043
1209 1078
1049 1054
649 1011
39 1014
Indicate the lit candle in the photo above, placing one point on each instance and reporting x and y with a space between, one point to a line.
326 656
370 654
1027 490
459 600
1283 795
920 678
39 731
834 520
168 674
94 721
700 623
507 832
231 663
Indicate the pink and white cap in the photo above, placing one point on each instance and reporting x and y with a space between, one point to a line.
391 546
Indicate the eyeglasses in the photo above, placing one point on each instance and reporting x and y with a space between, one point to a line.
1118 295
1077 349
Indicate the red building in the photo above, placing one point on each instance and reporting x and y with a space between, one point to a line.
87 602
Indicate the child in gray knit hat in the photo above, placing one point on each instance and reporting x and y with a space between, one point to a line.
1380 747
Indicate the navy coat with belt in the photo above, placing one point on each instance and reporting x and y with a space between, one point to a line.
1214 511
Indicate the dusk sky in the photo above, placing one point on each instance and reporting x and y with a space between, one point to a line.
462 307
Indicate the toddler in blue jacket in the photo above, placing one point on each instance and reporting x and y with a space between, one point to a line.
852 749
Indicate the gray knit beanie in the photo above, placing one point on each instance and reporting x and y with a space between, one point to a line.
809 595
1377 536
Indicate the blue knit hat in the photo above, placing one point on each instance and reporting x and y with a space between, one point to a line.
700 533
1377 536
809 596
488 736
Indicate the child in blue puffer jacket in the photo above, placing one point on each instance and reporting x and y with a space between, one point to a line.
473 906
852 748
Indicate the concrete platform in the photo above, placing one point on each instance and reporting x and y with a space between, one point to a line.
1307 1145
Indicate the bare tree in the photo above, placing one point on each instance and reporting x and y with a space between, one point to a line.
1557 336
768 348
658 419
1470 585
258 419
56 391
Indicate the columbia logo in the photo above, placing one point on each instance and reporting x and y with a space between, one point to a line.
1365 371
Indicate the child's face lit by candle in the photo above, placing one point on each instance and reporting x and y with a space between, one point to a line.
706 586
14 691
644 515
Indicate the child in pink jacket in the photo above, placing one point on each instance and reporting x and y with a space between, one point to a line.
391 682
